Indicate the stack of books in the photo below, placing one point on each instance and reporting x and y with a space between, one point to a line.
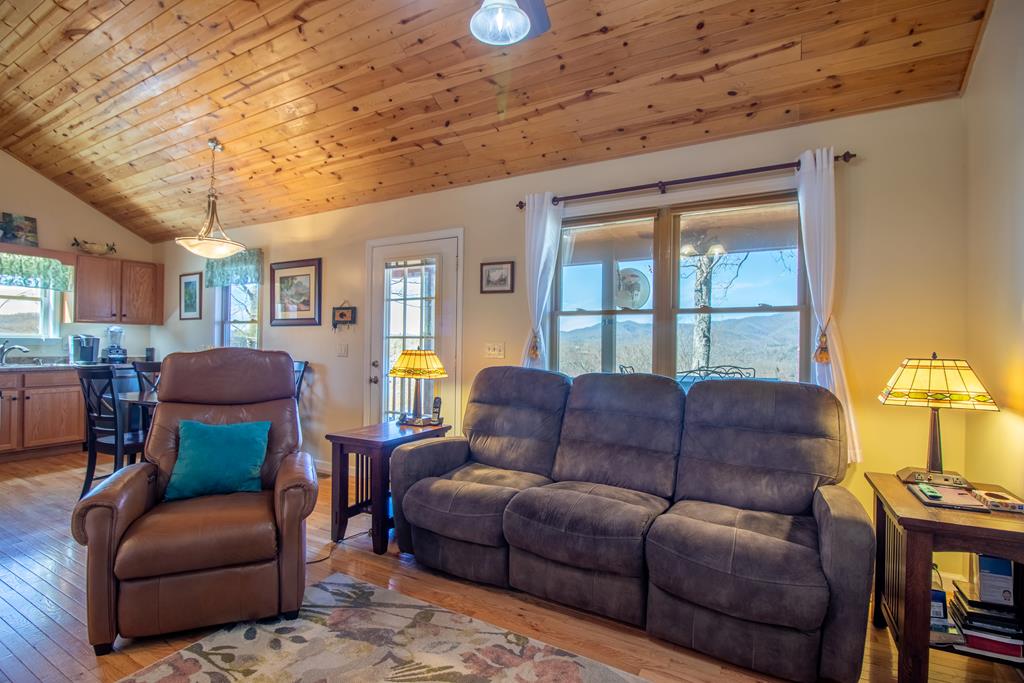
989 629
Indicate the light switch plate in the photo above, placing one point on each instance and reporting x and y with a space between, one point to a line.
342 350
494 350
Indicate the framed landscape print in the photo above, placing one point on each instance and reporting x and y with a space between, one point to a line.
295 292
15 229
190 296
498 277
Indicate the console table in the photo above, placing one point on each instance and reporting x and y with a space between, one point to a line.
372 446
907 532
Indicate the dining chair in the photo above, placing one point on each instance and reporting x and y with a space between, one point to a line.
148 373
111 429
299 368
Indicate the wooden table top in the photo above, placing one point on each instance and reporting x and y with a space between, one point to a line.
142 398
385 434
914 515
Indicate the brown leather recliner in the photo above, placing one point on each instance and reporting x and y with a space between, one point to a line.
156 567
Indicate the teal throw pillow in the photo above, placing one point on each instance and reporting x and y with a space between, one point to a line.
218 459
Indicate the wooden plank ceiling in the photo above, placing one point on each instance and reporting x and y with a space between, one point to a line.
323 104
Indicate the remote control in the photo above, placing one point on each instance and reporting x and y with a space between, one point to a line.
930 491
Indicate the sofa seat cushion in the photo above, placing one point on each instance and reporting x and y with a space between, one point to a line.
760 566
199 533
467 503
591 526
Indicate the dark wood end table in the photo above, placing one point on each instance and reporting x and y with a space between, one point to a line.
372 445
907 532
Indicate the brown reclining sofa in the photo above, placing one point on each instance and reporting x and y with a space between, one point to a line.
719 527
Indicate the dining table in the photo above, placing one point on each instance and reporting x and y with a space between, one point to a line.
146 400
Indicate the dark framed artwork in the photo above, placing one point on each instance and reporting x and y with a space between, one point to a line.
498 277
343 315
190 296
295 292
17 229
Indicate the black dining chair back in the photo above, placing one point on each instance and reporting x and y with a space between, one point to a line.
148 373
111 429
299 367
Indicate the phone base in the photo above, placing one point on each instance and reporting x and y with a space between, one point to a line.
411 421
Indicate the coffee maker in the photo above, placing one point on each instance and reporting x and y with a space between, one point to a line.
115 351
83 349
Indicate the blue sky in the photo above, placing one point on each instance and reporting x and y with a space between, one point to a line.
763 278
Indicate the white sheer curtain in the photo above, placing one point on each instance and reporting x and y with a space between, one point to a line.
817 194
543 224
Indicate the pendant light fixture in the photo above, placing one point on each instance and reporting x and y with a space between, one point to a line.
211 242
499 22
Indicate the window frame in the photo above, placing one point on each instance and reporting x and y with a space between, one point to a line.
665 308
51 315
222 329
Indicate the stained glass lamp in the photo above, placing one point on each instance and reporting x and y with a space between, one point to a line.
935 383
417 365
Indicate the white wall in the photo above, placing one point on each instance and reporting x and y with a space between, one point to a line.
902 281
994 104
61 216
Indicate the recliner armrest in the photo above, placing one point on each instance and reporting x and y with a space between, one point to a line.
297 474
846 542
419 460
128 494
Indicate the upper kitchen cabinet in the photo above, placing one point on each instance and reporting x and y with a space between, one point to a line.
97 289
142 293
109 290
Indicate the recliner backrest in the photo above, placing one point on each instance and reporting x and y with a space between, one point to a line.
760 445
514 417
622 430
225 386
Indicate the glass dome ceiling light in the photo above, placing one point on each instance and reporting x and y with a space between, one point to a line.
499 22
211 242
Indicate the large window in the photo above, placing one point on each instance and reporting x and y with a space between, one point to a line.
688 291
28 313
238 313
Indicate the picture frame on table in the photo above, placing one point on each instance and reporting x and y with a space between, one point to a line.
190 296
498 277
296 292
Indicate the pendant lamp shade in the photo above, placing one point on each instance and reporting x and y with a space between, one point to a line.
211 242
499 22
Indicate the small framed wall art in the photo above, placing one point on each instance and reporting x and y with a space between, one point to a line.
190 296
295 292
343 315
498 277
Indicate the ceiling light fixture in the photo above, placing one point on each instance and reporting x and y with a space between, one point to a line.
500 22
211 242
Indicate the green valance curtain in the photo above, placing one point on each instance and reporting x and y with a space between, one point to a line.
244 268
37 272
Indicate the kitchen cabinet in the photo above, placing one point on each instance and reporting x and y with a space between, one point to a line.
97 289
142 293
40 410
109 290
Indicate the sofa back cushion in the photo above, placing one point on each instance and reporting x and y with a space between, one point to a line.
760 445
622 430
514 417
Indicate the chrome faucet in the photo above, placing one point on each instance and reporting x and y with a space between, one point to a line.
5 349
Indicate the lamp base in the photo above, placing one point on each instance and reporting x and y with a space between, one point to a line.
916 475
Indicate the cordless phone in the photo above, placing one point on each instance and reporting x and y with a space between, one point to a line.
435 414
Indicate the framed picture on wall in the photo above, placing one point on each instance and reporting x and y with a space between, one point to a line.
190 296
498 277
295 292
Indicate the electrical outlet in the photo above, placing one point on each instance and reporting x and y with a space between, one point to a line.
342 350
494 350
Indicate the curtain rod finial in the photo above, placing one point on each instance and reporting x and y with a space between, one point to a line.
847 156
520 205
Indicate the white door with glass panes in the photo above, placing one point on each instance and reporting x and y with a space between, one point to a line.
413 305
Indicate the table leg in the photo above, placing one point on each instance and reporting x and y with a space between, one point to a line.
913 662
878 617
339 491
380 486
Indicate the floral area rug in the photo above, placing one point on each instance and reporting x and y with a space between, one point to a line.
348 630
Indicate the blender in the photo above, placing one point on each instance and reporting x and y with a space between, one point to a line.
115 352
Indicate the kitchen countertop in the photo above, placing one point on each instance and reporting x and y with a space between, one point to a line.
51 367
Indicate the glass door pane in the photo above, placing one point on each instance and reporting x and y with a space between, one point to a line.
410 311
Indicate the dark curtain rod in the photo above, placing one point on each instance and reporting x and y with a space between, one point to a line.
662 185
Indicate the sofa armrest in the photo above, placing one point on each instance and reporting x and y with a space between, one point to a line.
419 460
296 480
127 494
846 541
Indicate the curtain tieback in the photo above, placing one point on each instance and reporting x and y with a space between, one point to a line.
534 351
821 354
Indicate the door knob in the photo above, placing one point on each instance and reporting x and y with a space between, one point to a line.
375 379
375 364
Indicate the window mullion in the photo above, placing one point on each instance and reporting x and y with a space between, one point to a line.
664 338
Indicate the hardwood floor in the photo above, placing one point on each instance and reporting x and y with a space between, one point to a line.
42 600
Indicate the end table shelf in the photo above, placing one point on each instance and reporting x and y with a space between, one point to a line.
372 446
907 532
